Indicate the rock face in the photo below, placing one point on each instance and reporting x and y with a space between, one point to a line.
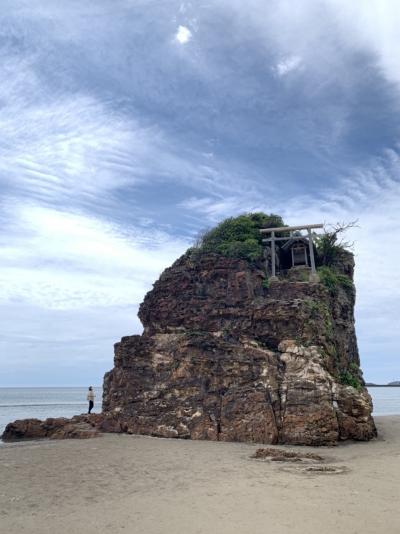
223 357
78 427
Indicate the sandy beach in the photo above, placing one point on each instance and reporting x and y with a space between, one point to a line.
123 483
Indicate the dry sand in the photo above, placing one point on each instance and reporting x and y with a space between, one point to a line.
142 485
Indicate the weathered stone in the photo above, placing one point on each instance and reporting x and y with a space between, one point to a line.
224 358
80 427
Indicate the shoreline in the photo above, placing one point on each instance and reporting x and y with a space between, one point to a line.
147 485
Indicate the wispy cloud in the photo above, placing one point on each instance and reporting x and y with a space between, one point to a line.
214 209
63 260
70 286
287 65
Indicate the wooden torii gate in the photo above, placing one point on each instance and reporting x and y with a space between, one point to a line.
273 231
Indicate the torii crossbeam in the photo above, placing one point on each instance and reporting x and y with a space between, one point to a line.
291 229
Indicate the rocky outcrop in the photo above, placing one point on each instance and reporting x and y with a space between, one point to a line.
80 426
77 427
224 357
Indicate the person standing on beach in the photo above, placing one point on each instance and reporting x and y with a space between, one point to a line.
90 397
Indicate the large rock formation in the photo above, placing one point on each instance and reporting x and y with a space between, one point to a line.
225 357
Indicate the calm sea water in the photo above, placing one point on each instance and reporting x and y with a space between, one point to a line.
21 403
386 400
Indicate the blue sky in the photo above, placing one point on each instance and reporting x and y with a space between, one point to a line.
130 125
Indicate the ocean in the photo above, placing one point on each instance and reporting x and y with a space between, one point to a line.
21 403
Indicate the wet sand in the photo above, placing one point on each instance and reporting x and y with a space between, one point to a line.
142 485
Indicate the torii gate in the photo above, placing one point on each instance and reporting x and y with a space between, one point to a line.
313 276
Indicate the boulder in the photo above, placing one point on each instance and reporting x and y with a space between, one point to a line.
78 427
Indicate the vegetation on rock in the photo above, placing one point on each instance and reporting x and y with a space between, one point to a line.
347 378
330 246
331 279
239 237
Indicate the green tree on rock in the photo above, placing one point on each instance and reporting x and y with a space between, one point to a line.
239 237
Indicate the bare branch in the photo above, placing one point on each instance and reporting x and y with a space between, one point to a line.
331 243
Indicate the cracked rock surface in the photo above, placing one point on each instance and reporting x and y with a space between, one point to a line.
224 358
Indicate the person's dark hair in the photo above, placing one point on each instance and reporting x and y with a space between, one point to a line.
90 387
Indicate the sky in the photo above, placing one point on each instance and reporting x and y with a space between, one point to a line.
129 126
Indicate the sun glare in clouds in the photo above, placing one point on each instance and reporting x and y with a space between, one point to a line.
183 35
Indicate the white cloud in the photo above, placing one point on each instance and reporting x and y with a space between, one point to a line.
213 209
75 149
63 145
71 143
321 32
287 65
375 25
183 35
63 260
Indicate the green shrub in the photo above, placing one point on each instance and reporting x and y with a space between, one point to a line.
239 237
330 246
248 249
347 378
327 249
328 277
333 280
319 316
344 281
